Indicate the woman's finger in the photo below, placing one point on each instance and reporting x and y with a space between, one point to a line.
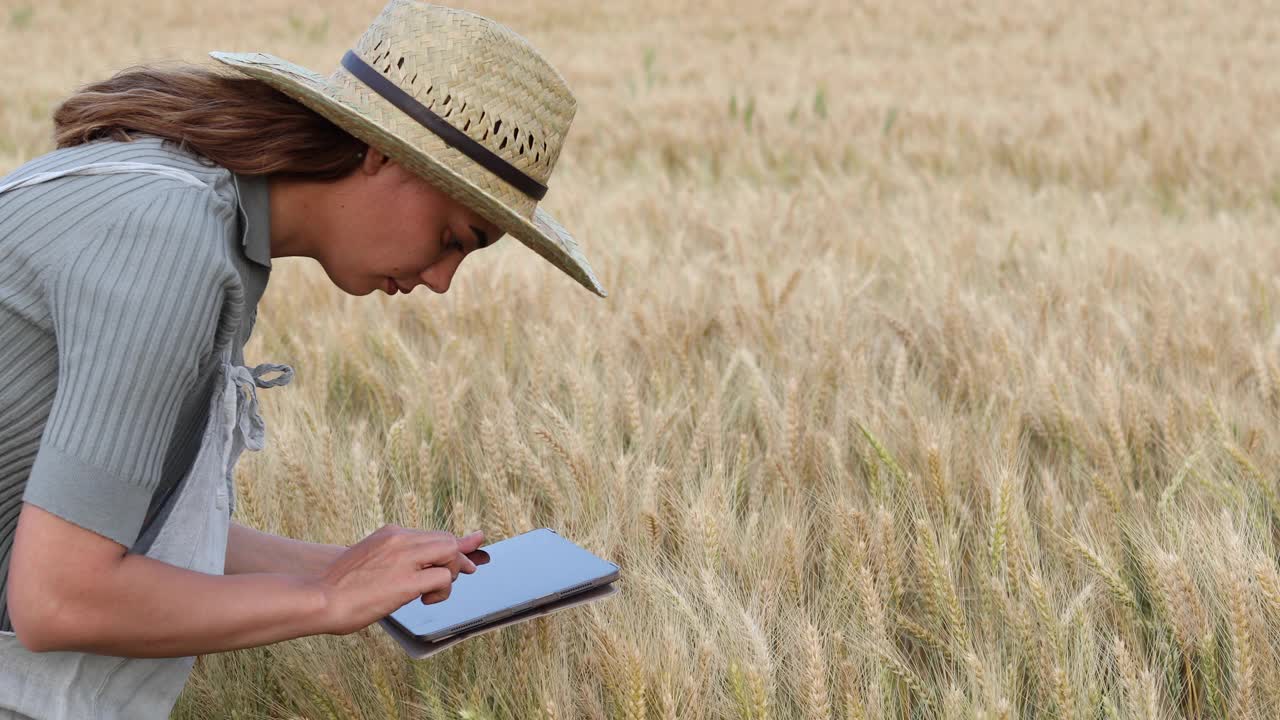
468 543
436 596
432 580
439 550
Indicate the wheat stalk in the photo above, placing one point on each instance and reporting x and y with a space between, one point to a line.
879 635
1268 583
631 403
1253 473
570 460
895 665
337 696
942 599
761 401
886 545
898 379
792 425
1114 427
1119 590
372 489
854 705
937 482
458 517
1171 490
794 562
412 510
1016 617
817 702
885 457
1241 646
390 704
666 698
715 437
926 636
634 707
1128 671
1150 694
396 442
324 702
697 448
980 675
1063 418
707 527
649 511
1000 528
1178 597
954 703
545 484
759 692
1108 494
1063 693
759 670
296 478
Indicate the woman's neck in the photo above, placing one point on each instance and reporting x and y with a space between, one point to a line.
297 214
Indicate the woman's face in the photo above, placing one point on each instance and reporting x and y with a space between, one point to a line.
393 224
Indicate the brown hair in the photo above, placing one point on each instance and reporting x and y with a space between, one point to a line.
237 122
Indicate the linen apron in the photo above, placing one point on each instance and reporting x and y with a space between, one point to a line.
193 535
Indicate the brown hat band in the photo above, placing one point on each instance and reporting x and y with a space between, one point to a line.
452 136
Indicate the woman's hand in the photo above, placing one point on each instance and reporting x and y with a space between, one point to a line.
322 557
387 569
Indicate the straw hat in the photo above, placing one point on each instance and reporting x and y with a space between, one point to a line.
458 99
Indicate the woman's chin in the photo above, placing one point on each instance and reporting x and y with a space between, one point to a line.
376 284
366 287
382 285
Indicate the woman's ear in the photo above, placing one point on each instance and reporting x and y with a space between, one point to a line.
374 159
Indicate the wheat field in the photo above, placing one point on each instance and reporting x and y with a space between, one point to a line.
939 377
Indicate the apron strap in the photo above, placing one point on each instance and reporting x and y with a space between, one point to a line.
104 168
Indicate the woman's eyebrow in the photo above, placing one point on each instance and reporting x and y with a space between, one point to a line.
482 240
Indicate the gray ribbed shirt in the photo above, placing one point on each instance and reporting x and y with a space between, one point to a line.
115 291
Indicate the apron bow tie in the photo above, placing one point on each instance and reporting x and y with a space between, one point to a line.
252 427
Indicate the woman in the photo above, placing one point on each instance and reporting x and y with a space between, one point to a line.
131 263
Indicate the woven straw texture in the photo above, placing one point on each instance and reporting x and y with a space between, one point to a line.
481 78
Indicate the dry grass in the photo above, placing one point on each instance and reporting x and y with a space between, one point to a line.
940 375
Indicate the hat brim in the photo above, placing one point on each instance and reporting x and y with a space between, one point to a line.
541 233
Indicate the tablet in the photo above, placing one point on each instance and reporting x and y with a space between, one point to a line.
523 572
420 649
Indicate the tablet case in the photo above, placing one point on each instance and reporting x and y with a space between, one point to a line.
570 564
419 649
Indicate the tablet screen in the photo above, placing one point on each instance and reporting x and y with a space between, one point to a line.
521 571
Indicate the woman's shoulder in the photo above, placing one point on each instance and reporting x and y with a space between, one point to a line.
146 201
113 173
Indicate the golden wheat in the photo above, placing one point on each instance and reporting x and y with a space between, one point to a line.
947 329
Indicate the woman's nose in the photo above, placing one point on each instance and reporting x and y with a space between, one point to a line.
439 276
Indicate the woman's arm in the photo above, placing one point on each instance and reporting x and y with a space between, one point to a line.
72 589
254 551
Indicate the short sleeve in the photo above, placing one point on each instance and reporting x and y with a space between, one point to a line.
134 307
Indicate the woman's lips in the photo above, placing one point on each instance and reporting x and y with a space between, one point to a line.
391 286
